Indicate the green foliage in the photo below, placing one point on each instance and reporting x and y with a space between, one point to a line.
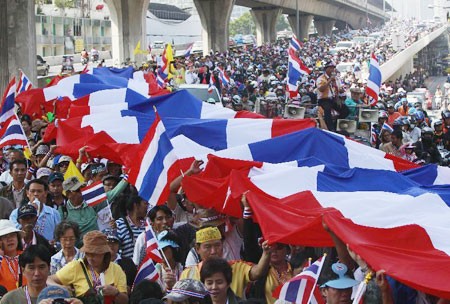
243 25
282 24
63 4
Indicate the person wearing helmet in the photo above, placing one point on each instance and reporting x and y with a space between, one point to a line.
411 132
409 152
426 149
446 120
438 136
392 114
404 108
236 103
420 116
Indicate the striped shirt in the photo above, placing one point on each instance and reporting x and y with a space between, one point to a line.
127 242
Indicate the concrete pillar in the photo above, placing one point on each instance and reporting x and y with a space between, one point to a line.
324 27
265 20
214 15
128 27
17 41
304 24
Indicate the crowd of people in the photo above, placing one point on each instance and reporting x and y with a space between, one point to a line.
55 246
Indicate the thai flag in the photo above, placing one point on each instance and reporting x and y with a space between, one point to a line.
7 105
295 44
147 271
296 69
385 126
151 250
24 83
12 134
374 80
94 194
300 289
150 174
212 84
160 79
223 77
188 51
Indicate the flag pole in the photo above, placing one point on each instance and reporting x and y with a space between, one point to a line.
165 258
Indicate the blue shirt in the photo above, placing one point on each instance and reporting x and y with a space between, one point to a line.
58 260
46 222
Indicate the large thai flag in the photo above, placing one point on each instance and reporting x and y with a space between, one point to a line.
7 105
300 289
150 170
374 80
188 50
94 194
24 83
296 69
224 79
295 44
12 134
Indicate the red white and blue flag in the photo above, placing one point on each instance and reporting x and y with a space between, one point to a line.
212 84
296 68
295 44
151 243
12 134
147 271
150 175
7 105
188 51
94 194
303 287
223 77
24 83
374 80
385 126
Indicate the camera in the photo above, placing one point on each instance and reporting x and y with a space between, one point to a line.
60 301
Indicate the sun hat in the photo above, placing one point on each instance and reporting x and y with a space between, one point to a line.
95 242
185 289
7 227
343 281
72 184
53 292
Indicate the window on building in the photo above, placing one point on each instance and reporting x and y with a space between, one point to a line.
77 27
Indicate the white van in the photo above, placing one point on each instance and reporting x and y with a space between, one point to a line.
201 92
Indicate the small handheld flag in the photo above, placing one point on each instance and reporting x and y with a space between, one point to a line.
94 194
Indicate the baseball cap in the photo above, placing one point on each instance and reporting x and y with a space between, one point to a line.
97 168
84 167
42 150
53 292
26 210
111 234
184 289
64 158
72 184
43 172
55 176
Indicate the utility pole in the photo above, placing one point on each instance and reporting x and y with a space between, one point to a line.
297 14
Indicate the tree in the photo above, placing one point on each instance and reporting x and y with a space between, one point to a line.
282 24
243 25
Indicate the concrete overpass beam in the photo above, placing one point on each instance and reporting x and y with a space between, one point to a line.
215 15
304 24
265 20
128 24
324 27
17 40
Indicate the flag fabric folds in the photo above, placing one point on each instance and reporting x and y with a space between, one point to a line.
300 289
295 44
212 84
151 244
296 69
7 105
224 78
156 156
387 127
147 271
188 50
374 80
94 194
24 83
12 134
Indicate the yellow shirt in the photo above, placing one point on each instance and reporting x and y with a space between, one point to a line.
72 274
273 281
240 279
